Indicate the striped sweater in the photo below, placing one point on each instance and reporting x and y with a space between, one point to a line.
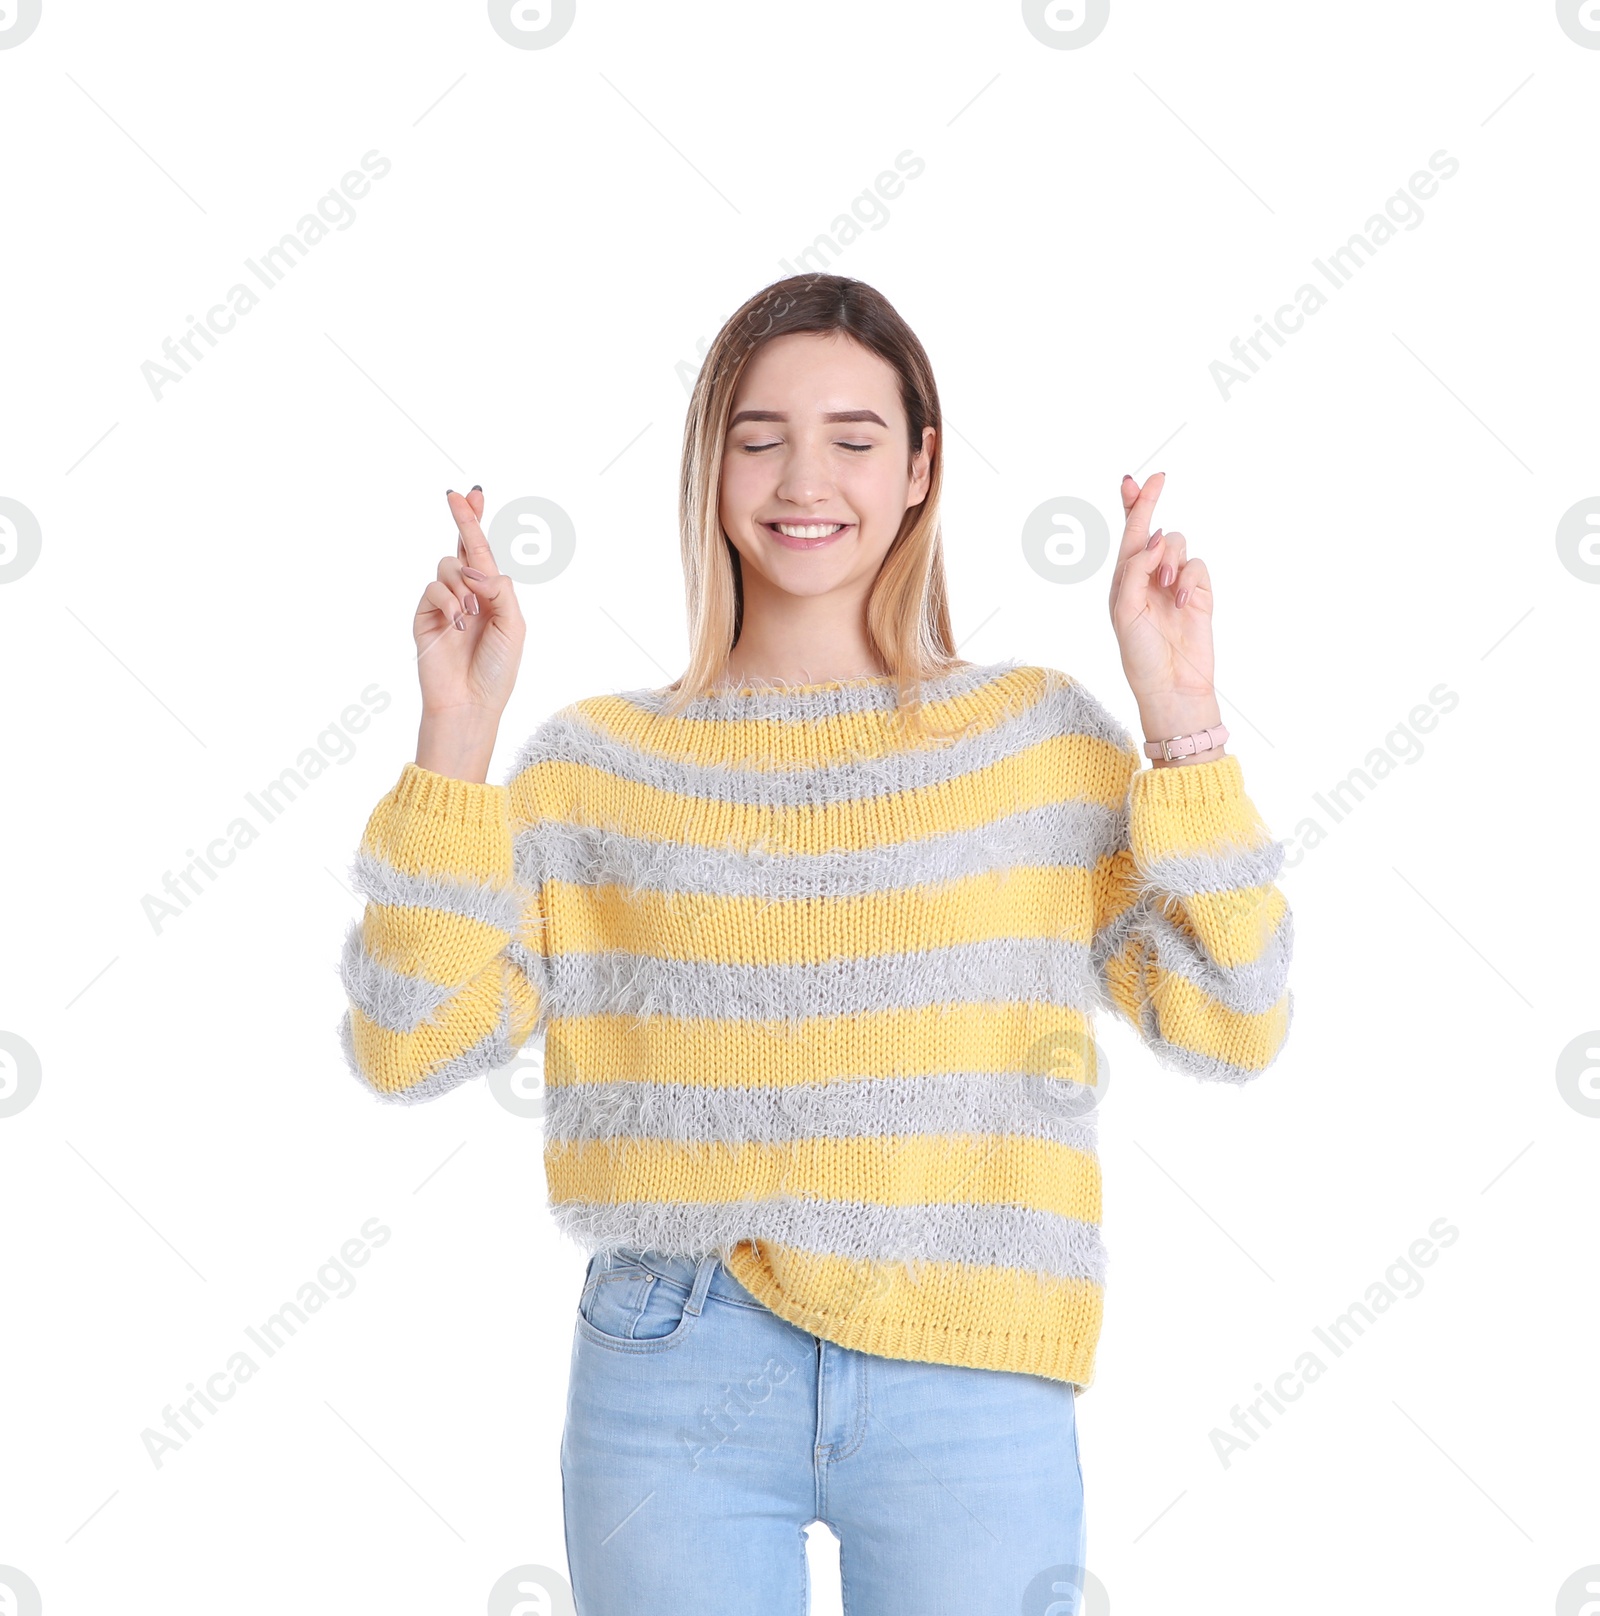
816 992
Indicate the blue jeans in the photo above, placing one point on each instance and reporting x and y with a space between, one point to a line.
704 1433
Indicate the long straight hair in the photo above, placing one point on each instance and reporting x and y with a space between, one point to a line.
908 611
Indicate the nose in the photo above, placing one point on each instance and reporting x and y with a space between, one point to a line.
805 479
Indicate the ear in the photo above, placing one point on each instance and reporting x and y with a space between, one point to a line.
921 469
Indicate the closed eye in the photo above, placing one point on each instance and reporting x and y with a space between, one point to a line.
756 448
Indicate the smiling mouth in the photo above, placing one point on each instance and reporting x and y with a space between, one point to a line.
805 533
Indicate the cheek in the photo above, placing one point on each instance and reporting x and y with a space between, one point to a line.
741 482
875 488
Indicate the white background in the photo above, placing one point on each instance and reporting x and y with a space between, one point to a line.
225 570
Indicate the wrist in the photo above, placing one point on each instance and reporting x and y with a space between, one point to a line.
1192 724
458 742
1178 713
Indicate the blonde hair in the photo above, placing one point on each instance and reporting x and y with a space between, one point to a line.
908 612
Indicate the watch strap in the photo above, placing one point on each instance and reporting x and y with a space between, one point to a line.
1182 746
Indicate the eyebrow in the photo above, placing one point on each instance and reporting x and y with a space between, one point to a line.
832 415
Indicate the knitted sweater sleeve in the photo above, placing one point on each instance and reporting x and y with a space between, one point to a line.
1192 936
445 970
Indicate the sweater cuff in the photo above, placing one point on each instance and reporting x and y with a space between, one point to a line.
1200 808
1218 783
461 802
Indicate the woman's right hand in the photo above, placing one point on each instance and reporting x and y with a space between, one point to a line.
469 633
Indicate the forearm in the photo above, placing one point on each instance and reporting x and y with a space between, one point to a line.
458 742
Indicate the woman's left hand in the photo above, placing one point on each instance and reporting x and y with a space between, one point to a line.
1161 612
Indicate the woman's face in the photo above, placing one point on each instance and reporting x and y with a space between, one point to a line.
817 472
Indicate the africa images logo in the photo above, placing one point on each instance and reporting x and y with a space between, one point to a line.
18 19
532 538
1066 24
530 24
1580 21
20 538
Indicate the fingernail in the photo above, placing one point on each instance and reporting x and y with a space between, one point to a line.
472 572
477 488
1167 576
1127 476
1183 595
1155 539
449 490
472 604
461 622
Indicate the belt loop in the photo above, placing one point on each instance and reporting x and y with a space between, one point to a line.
702 1283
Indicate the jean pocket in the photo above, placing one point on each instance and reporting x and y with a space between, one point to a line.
628 1308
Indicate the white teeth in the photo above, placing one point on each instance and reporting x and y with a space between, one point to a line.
816 530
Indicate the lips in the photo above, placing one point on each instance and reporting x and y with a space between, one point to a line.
810 535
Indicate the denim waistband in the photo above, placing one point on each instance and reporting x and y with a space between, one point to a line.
684 1272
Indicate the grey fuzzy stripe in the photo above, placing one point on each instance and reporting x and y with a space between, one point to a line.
533 966
1226 871
774 702
1109 943
395 1000
570 737
1066 834
399 1002
1001 1236
1047 970
501 907
1001 1104
486 1055
1251 989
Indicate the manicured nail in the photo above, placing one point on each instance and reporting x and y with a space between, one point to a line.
1155 539
477 488
449 490
1127 476
472 604
461 622
1183 595
1166 577
472 572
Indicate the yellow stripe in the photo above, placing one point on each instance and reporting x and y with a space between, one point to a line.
1021 903
954 1313
1192 1019
900 1042
1060 769
946 1169
776 745
416 843
1113 886
435 945
1237 927
393 1061
1207 813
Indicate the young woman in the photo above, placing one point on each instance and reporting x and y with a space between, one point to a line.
813 938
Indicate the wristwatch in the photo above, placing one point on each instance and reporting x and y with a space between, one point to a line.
1182 746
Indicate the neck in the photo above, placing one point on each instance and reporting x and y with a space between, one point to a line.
800 639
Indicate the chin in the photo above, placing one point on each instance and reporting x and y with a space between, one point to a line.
806 581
